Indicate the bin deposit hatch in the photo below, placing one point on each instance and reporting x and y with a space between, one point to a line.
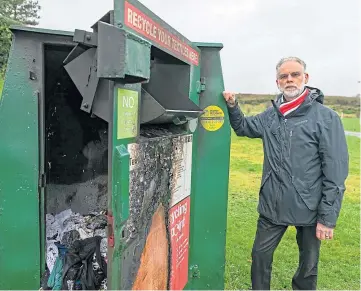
117 161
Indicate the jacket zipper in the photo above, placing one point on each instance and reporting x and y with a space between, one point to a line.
290 144
281 161
282 157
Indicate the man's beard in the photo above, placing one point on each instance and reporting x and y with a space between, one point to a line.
293 92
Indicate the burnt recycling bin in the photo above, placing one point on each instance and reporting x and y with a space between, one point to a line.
119 133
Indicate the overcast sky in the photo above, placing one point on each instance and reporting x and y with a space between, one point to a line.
255 35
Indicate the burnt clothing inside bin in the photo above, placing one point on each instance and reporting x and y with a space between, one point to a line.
68 236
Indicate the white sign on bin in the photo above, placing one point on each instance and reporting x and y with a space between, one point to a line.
181 168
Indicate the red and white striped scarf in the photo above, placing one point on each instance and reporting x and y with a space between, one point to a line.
288 107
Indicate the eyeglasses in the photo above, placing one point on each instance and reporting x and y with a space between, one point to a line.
293 75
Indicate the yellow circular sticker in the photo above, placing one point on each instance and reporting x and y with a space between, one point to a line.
213 118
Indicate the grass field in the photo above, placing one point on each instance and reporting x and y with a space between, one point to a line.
351 124
340 258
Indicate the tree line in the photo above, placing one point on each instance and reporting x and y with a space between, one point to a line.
15 12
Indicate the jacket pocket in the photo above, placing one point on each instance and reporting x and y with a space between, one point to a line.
265 205
265 178
275 128
310 198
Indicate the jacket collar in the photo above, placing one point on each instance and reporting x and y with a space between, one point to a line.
314 94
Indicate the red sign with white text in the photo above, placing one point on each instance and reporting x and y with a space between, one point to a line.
179 216
143 24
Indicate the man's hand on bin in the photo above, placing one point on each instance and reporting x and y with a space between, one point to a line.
230 98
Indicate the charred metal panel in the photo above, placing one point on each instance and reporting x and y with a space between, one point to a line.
154 170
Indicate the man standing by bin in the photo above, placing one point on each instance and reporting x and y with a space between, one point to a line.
304 172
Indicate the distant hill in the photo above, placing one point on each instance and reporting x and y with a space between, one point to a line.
348 106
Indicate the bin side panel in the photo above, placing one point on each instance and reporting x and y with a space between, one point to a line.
22 229
19 156
209 206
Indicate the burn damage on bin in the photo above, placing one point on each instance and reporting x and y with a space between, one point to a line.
77 149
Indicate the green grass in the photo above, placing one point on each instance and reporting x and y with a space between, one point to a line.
339 267
1 86
351 124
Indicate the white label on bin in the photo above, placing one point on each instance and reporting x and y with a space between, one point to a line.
181 169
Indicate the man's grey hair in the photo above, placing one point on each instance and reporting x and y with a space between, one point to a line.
287 59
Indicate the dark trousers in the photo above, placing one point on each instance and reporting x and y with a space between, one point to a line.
268 236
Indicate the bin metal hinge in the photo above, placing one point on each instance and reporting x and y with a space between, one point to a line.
201 85
195 273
